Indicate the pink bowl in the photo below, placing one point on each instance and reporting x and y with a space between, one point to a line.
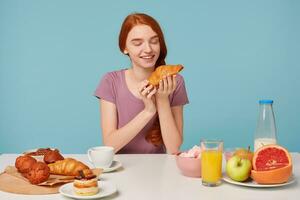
189 166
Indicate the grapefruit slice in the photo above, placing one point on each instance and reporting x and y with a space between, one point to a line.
272 164
270 157
275 176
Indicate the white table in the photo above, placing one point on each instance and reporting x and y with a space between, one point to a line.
153 176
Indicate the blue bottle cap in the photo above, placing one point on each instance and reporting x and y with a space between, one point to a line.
265 101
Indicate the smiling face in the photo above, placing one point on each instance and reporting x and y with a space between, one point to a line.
142 46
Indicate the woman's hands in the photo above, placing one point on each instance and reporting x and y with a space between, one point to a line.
166 87
147 94
157 100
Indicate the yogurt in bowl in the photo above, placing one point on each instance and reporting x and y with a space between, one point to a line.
189 162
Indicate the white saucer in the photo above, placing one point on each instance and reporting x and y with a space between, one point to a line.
106 189
114 166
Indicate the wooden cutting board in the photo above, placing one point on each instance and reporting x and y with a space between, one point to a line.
13 184
12 181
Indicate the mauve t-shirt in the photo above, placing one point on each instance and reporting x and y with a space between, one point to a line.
113 88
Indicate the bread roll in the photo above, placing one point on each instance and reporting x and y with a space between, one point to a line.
24 163
39 173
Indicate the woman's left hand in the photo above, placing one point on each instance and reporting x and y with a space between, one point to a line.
166 86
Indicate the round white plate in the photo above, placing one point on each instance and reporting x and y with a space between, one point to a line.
252 183
114 166
106 188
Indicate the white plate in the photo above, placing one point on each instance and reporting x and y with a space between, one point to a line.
106 188
252 183
114 166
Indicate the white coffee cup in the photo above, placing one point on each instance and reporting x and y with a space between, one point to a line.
101 156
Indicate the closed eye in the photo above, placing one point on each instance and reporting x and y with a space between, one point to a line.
154 40
136 42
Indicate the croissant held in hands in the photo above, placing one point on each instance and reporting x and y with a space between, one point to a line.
163 70
68 167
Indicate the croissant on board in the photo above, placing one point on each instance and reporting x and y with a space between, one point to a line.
163 70
38 152
52 156
68 167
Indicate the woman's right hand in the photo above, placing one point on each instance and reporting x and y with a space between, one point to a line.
147 95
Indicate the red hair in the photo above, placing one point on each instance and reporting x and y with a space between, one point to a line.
138 19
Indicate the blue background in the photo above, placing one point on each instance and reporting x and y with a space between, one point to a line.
235 52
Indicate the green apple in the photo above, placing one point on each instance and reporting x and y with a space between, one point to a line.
238 169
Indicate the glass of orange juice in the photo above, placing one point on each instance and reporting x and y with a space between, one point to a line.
211 162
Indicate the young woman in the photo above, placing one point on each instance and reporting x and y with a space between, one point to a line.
135 116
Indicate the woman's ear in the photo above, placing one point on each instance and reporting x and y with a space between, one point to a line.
125 52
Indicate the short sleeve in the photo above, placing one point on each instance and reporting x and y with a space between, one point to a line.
179 96
106 89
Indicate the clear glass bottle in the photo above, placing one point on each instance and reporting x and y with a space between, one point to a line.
266 128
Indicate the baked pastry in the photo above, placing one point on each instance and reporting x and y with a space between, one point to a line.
38 152
24 163
52 156
69 167
163 70
86 185
39 173
154 135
